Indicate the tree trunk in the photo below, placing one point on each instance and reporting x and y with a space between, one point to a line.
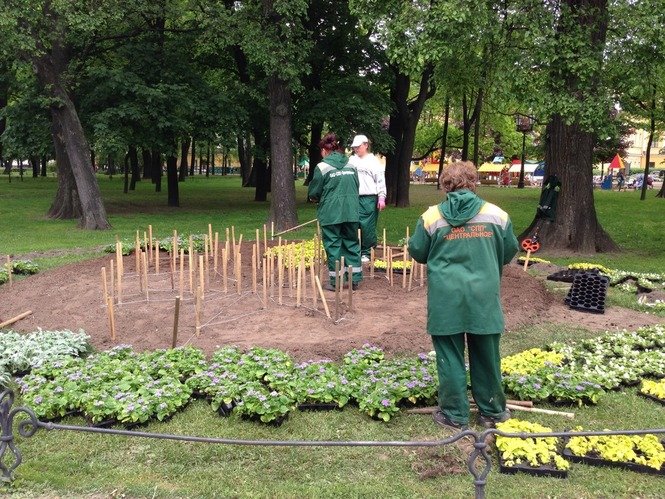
184 149
569 156
156 169
409 111
647 159
172 180
147 162
134 164
125 187
73 144
66 204
208 161
569 149
444 139
283 199
34 162
193 162
476 130
44 162
245 145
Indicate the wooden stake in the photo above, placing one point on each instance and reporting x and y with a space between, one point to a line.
337 290
210 238
280 277
569 415
206 255
137 254
323 297
111 318
385 252
350 271
150 241
17 318
304 275
145 274
201 278
258 244
174 249
176 315
265 283
271 274
172 272
526 260
299 286
254 252
197 311
139 271
265 238
272 230
422 274
312 273
413 269
182 271
157 259
372 257
239 273
113 291
191 264
215 257
238 245
404 267
119 270
225 269
233 238
145 244
342 271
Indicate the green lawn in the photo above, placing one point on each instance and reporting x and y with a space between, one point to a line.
67 464
637 226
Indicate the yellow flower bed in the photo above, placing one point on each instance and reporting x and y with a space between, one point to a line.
646 450
535 452
295 251
397 264
654 388
529 361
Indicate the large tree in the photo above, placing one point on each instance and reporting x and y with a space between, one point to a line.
566 58
46 34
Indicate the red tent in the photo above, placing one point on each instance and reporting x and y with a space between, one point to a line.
617 163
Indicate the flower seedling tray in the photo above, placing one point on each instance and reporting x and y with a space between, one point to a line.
567 275
588 292
312 406
651 397
597 461
549 471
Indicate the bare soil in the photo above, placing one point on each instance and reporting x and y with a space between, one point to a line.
393 318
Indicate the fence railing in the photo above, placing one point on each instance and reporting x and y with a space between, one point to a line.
479 462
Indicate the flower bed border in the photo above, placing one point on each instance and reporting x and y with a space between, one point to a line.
600 462
545 470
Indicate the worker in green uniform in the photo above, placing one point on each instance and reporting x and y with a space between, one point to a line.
335 187
465 242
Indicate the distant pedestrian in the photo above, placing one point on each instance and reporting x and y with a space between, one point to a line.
621 180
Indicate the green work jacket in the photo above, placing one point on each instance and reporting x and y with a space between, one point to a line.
465 243
335 186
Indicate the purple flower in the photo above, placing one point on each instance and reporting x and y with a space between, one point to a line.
385 402
38 399
536 386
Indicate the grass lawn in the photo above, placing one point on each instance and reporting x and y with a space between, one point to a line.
68 464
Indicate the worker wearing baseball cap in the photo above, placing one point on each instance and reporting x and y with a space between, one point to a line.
372 191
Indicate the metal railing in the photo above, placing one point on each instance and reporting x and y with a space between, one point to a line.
479 462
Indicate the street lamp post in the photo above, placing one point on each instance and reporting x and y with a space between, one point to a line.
524 124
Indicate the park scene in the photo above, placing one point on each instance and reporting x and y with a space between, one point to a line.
180 318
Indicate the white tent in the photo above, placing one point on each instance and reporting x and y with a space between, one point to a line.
528 168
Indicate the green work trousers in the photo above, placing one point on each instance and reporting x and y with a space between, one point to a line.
341 240
485 368
369 214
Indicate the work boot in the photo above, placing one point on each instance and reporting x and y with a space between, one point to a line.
491 421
